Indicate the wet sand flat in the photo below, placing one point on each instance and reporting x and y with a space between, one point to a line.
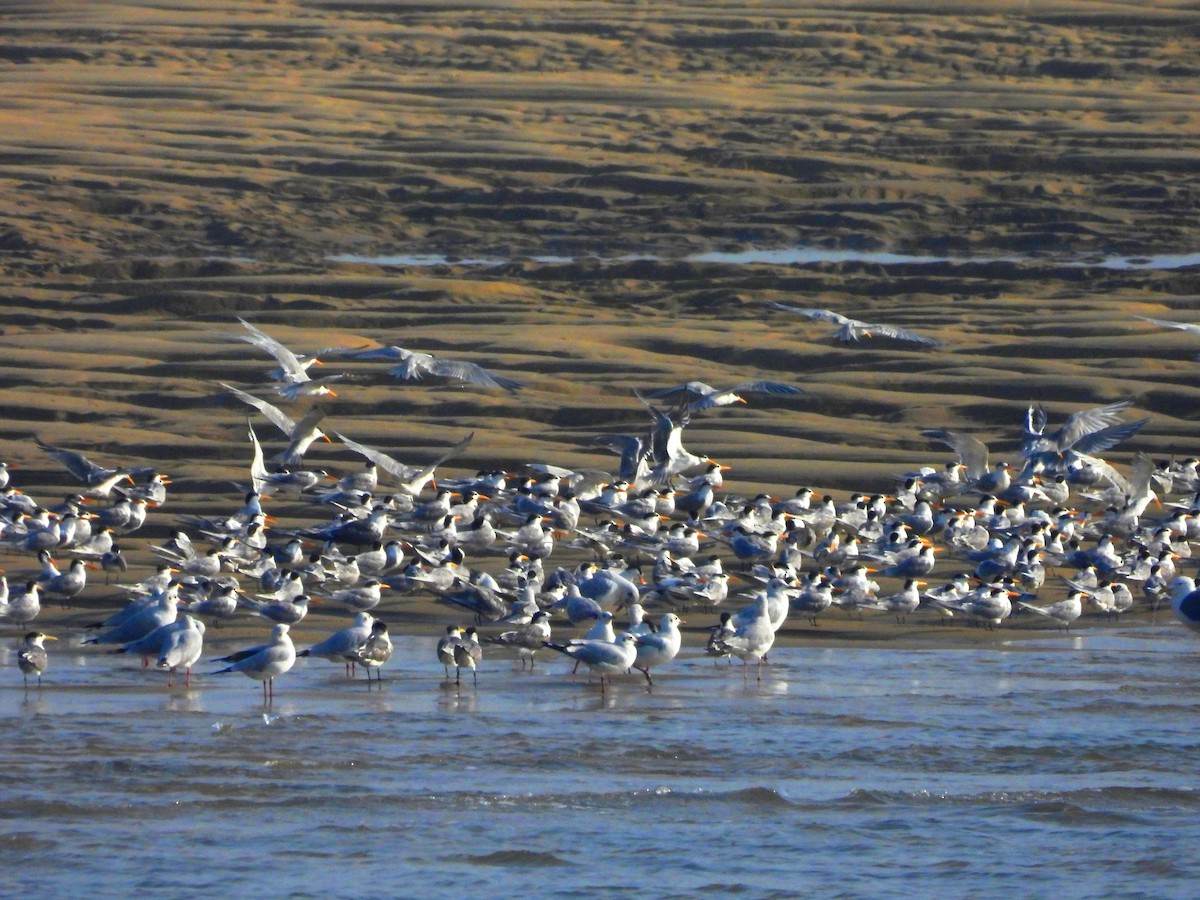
167 169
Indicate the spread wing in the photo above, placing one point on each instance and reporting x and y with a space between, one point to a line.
972 452
819 315
277 416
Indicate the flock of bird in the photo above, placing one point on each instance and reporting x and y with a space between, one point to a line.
652 540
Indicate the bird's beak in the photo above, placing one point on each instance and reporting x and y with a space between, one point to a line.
49 637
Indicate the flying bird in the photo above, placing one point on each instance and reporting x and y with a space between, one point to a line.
1179 326
853 330
700 396
413 366
300 434
412 479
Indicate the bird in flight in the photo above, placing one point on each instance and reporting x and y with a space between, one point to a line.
853 330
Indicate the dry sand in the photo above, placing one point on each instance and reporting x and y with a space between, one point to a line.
165 168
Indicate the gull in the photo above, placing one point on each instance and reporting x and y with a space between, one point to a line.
342 645
701 396
412 479
467 655
445 646
753 638
413 366
23 606
360 597
717 635
972 453
660 647
903 602
1167 323
163 610
852 330
87 471
292 369
300 434
1185 601
69 584
182 646
1084 433
373 652
32 657
602 657
221 602
528 639
290 612
1064 611
265 661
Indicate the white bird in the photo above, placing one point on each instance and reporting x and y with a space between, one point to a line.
1185 601
528 639
413 366
23 605
412 478
32 658
467 655
292 369
265 661
373 652
1167 323
300 434
753 638
1064 612
701 396
660 647
162 610
181 647
445 647
342 645
602 657
852 330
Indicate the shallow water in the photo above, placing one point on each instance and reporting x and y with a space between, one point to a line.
791 256
1063 764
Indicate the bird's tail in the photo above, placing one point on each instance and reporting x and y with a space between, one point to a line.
1032 608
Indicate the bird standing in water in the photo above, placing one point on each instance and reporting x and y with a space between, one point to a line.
32 657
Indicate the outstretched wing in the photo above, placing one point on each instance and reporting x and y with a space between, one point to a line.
1167 323
392 354
258 468
766 387
293 369
469 373
1088 421
819 315
972 452
277 416
896 333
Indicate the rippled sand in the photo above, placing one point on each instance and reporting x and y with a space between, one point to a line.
166 169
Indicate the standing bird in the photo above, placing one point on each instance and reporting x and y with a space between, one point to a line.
658 647
265 661
32 657
445 647
374 651
24 606
602 657
528 639
467 655
182 646
342 646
